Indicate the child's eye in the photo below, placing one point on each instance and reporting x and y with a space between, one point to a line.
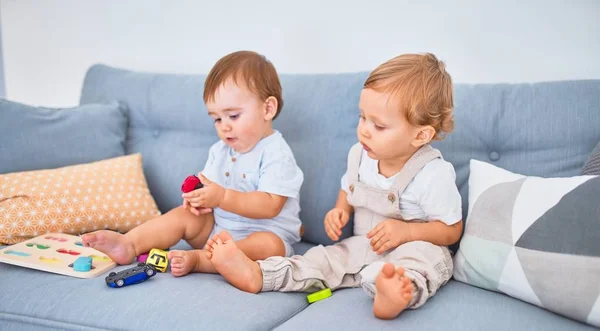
233 117
378 128
362 118
217 120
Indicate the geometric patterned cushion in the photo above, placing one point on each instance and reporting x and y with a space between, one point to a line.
535 239
109 194
592 166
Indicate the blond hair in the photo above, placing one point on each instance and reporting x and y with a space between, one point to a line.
252 69
421 87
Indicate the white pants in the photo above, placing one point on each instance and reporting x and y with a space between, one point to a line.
352 263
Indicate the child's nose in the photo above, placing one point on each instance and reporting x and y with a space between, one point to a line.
363 130
226 127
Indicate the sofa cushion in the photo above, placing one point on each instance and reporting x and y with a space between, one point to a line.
536 239
34 138
456 306
592 166
38 300
542 129
108 194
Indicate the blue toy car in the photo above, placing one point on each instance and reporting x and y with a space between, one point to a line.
130 276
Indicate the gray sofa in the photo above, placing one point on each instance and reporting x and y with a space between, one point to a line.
544 129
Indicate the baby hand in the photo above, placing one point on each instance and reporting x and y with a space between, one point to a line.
389 234
194 210
335 220
209 196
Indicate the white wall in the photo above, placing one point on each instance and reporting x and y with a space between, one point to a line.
48 45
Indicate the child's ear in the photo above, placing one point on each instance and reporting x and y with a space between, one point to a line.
270 108
424 136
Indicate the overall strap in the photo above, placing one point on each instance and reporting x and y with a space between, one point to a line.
421 157
354 157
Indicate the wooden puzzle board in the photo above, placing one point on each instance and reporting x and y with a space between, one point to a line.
53 252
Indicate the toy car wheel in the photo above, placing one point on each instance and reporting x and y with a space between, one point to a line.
120 283
150 272
112 274
141 264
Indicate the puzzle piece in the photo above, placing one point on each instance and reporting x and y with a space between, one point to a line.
100 258
67 251
62 240
37 245
49 259
82 264
17 253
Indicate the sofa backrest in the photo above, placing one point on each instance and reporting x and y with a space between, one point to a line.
544 129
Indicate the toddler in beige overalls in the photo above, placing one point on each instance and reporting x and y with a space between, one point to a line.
352 262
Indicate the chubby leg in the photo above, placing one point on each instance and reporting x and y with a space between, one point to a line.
225 253
334 266
235 266
161 232
257 246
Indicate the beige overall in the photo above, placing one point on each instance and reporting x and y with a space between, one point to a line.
352 262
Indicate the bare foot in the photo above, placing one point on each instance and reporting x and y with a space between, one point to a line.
211 243
394 292
236 267
113 244
182 262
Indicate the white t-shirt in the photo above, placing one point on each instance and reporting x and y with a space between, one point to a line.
432 195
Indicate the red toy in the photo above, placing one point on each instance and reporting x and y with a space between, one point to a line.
191 183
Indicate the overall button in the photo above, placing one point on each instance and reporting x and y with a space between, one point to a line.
391 197
233 159
494 156
227 174
352 188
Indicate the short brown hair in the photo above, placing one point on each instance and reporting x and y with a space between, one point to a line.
252 69
422 88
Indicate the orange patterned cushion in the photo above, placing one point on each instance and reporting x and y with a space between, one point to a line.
109 194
